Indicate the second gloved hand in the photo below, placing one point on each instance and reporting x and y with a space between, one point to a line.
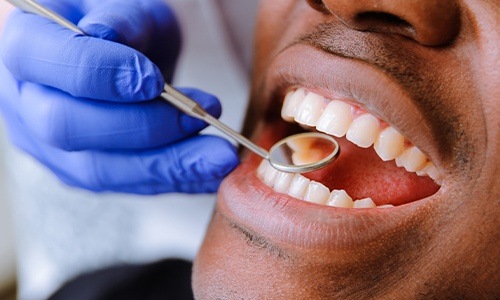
81 105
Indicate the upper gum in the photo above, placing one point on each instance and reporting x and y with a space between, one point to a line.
358 111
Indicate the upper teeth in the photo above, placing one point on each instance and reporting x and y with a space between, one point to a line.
361 128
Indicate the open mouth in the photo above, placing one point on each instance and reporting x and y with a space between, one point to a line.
364 193
378 166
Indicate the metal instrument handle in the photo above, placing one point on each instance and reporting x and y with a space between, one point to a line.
193 109
35 8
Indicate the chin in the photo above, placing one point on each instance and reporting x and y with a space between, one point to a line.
408 210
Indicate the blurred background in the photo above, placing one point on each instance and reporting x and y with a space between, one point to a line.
7 250
63 232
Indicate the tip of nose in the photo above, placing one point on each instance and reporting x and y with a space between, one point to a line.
435 38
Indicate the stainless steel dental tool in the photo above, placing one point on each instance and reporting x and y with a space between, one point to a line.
297 153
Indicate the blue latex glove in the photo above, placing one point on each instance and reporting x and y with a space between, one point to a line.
82 105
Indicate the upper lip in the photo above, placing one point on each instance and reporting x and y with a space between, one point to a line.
245 201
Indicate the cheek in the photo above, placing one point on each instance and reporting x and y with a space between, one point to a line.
279 23
232 266
265 37
229 266
224 269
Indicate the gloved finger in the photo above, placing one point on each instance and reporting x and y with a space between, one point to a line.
69 9
148 26
77 124
203 187
9 90
36 49
195 165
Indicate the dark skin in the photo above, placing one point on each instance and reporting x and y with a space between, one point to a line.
440 59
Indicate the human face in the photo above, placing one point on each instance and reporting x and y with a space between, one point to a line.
428 71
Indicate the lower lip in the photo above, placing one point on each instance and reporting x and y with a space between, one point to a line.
289 222
286 221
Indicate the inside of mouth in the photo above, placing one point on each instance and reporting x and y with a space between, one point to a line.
359 171
362 174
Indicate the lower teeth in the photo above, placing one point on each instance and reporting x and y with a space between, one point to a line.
300 187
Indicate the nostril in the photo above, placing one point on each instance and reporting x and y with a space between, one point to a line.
383 22
382 18
318 5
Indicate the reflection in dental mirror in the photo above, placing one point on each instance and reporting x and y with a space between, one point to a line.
304 152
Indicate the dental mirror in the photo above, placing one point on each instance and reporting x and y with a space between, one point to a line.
298 153
304 152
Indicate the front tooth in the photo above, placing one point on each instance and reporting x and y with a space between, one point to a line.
310 110
261 170
412 159
433 172
339 198
364 203
363 130
398 162
386 206
389 144
298 186
292 101
270 176
422 172
283 181
335 119
317 193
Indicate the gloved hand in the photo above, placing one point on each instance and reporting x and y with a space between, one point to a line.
82 105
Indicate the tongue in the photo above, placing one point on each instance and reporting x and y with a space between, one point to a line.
361 173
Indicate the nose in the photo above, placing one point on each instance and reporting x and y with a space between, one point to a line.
429 22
